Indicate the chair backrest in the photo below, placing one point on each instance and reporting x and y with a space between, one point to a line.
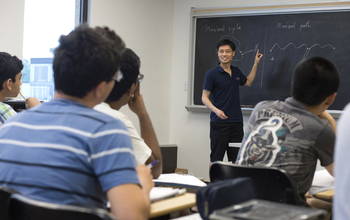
270 184
5 194
23 208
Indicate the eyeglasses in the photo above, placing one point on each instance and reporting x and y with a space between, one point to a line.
224 51
118 76
140 77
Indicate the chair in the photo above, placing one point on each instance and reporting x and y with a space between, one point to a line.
270 184
5 194
23 208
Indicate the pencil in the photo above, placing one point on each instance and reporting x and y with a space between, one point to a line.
22 96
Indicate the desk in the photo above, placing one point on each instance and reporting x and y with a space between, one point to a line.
328 195
168 206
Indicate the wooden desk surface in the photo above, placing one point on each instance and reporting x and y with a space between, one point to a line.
170 205
325 194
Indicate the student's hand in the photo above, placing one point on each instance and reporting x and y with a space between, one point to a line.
145 177
258 57
136 103
317 203
220 114
330 119
31 102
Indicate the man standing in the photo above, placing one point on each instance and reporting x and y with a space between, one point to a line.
221 96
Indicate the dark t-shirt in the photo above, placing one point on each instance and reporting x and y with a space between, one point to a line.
224 92
288 136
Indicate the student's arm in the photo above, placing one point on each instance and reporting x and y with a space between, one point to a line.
251 76
130 201
329 168
206 101
330 119
333 124
148 134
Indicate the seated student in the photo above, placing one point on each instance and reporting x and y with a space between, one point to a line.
65 152
10 82
293 134
341 200
127 91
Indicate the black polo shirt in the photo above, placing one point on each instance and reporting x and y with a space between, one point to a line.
224 92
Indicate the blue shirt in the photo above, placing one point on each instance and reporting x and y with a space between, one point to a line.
64 152
224 92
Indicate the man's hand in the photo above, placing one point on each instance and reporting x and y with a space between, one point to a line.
258 57
145 177
136 103
220 114
31 102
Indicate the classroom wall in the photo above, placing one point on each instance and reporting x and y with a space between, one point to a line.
147 28
11 26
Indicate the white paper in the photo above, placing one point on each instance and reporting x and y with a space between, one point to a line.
179 179
322 181
159 193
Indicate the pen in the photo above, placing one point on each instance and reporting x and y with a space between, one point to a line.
22 96
150 165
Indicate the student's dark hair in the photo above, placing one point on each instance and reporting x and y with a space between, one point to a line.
225 42
130 67
10 66
86 57
314 79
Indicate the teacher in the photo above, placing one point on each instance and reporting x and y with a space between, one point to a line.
221 96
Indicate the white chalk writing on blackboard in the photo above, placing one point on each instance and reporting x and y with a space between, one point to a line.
222 28
285 26
306 25
307 49
214 29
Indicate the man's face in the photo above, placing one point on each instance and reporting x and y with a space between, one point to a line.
16 86
225 54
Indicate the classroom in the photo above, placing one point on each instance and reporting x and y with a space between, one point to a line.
159 31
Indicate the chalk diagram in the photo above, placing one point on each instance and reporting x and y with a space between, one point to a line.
239 52
307 49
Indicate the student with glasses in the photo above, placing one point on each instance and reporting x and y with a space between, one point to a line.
127 91
221 96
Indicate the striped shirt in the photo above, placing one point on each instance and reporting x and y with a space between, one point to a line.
6 112
66 153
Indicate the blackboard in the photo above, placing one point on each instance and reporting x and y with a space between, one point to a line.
284 38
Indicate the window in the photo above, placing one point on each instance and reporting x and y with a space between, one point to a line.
44 22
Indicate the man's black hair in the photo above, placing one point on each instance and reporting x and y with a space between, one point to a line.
10 66
130 67
224 43
314 79
86 57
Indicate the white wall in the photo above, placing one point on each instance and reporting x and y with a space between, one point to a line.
11 26
147 28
